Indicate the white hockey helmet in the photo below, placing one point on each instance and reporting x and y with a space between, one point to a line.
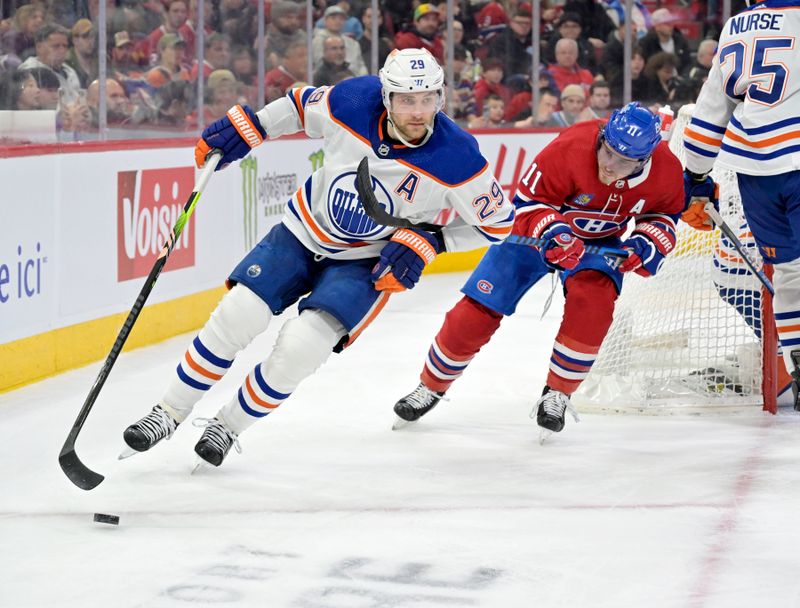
411 71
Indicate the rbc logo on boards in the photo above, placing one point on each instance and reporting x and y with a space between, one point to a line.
345 210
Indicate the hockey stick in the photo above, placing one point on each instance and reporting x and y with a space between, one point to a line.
737 244
77 472
374 210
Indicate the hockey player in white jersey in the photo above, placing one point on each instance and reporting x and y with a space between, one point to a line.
326 252
747 118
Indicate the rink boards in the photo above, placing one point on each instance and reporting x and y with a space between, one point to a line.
82 225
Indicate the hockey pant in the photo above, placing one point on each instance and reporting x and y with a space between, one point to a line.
304 343
588 311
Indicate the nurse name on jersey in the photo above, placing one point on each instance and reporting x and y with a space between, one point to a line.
756 21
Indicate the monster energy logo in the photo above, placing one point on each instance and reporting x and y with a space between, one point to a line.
317 159
249 167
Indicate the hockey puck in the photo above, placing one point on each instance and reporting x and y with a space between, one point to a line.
102 518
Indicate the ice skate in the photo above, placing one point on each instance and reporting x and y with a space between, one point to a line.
215 442
549 411
144 434
795 356
415 405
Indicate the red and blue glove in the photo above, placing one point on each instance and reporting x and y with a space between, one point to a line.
702 187
563 250
238 132
403 259
644 258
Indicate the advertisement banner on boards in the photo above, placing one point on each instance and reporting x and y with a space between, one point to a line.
86 237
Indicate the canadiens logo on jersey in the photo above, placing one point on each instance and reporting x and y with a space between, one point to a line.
583 199
346 211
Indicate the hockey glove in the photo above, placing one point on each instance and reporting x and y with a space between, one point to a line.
644 259
563 250
699 189
238 132
403 258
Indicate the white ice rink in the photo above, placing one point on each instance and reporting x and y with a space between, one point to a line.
329 508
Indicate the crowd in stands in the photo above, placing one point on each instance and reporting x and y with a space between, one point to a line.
49 56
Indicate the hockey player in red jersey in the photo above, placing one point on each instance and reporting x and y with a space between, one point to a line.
586 185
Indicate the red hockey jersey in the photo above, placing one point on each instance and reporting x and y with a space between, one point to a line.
562 184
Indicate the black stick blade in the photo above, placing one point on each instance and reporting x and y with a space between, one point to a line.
77 472
373 208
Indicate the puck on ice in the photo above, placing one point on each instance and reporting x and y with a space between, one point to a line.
102 518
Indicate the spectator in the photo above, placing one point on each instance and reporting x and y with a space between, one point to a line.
137 17
49 87
244 67
615 9
573 98
424 34
283 30
20 40
169 68
188 31
664 86
51 51
220 95
217 55
665 38
172 103
569 27
292 68
565 70
118 106
490 83
175 16
462 102
599 101
613 58
698 73
125 62
334 67
512 46
19 91
334 24
491 20
493 114
548 105
82 57
352 25
385 45
639 82
597 25
238 19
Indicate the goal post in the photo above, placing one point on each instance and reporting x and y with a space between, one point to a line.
699 337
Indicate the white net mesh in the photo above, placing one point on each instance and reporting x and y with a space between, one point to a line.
686 339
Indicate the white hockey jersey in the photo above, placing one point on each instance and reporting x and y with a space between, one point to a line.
748 111
448 172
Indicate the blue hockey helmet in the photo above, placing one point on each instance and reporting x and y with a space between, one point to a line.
633 131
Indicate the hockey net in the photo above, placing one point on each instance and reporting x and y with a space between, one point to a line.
688 339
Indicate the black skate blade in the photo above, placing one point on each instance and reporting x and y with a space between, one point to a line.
400 423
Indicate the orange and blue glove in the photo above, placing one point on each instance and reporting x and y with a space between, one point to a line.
238 132
699 189
404 258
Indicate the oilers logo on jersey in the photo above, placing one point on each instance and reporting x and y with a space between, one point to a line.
346 211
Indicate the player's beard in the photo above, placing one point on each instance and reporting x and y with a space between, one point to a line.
411 129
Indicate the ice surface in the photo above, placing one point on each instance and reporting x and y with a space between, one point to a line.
329 508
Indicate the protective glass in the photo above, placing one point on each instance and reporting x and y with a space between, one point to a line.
416 103
616 162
